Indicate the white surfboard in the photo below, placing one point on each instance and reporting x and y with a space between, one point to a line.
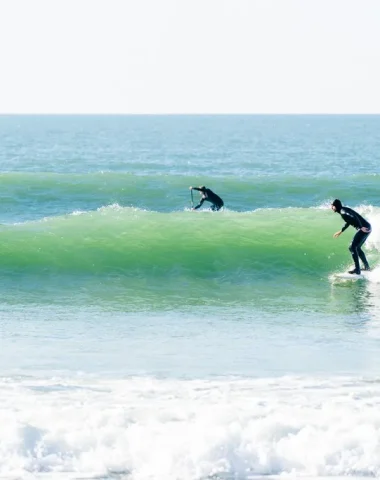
351 276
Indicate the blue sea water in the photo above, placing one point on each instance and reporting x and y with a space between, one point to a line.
142 340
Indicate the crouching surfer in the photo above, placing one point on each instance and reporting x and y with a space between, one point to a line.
363 230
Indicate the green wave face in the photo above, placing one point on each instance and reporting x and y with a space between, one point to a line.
131 242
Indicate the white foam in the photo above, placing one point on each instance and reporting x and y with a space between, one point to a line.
114 206
78 212
373 216
374 275
326 205
166 429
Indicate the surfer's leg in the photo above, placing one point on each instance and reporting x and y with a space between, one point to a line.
353 248
360 251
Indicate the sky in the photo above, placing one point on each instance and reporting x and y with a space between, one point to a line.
189 56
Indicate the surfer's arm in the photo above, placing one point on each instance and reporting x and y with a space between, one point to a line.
199 204
195 188
341 231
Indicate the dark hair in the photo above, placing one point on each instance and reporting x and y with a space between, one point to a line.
337 204
203 188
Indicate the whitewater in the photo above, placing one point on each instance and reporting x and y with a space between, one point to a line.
149 428
141 340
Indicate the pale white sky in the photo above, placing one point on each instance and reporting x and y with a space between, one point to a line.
189 56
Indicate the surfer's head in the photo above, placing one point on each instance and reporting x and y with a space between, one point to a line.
202 188
337 205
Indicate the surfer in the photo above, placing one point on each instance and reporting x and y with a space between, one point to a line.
363 230
208 196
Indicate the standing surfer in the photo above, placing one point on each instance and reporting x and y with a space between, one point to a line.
363 230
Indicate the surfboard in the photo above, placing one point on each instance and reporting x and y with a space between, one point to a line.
351 276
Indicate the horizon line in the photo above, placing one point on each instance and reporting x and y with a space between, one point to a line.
3 114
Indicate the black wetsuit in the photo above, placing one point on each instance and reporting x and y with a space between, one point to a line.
357 221
210 196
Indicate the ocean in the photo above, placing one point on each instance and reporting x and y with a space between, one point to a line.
142 340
